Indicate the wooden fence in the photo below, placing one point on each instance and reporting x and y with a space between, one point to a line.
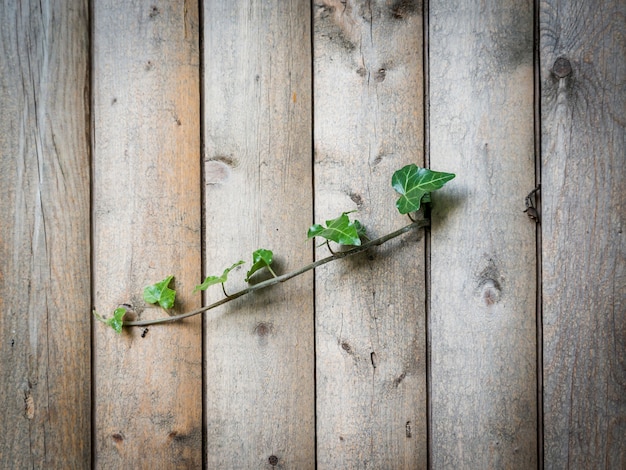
145 138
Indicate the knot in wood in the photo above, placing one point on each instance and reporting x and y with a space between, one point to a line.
263 329
489 284
217 170
490 292
562 67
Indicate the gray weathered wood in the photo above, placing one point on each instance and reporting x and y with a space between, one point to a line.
258 194
44 236
370 323
583 114
482 329
147 213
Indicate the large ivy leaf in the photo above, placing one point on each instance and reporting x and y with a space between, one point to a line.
212 280
339 230
413 183
160 293
116 321
261 258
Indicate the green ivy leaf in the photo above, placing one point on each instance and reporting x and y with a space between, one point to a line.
160 293
211 280
413 183
116 321
339 230
360 229
261 258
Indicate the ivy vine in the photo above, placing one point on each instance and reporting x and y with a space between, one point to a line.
412 183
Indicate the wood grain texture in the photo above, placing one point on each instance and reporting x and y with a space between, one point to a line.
147 219
370 323
44 236
258 194
583 114
482 329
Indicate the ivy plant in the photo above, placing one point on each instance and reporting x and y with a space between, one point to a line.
212 280
116 321
412 183
160 293
261 258
340 230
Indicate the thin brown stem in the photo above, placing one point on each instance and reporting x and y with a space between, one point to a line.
276 280
224 291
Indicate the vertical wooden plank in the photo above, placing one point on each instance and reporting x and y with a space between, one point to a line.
44 236
147 218
583 114
258 194
483 331
370 323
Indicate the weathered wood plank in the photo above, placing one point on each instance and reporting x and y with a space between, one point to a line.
370 323
483 330
44 236
147 217
583 114
258 194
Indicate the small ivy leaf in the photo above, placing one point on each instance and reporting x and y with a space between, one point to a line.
212 280
413 183
339 230
160 293
116 322
360 229
261 258
118 319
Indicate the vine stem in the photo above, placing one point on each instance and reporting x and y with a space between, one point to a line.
285 277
